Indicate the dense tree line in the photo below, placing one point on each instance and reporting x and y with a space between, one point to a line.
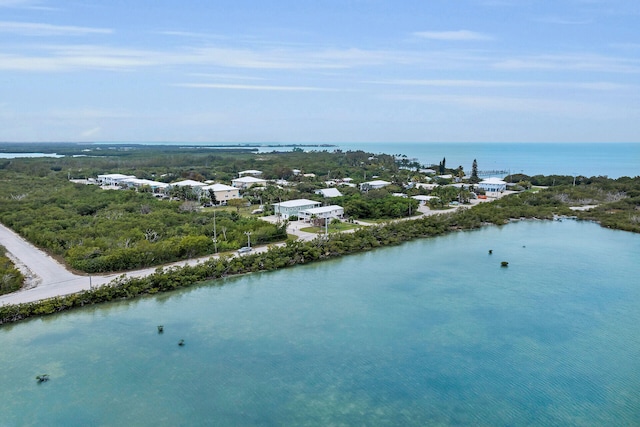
376 204
167 163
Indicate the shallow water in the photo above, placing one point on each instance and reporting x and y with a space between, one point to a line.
432 332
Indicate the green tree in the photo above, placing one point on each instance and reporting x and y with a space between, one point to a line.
442 166
236 203
474 173
212 197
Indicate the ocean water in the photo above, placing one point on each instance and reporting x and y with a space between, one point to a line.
594 159
431 332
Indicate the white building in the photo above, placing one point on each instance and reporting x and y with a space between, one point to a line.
329 192
188 183
425 185
247 182
223 192
156 187
293 207
325 212
493 185
374 185
113 178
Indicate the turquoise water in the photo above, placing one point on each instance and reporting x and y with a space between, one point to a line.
432 332
594 159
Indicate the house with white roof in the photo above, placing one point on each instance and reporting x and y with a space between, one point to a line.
374 185
156 187
425 185
447 176
329 192
222 192
293 207
323 212
247 182
493 185
188 183
113 178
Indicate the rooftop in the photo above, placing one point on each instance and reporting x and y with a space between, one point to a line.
297 203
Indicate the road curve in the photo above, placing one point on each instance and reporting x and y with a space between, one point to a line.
47 278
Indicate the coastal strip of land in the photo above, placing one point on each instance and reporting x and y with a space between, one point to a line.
47 278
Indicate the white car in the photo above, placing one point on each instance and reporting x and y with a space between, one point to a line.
244 249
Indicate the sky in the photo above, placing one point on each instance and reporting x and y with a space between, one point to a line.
304 71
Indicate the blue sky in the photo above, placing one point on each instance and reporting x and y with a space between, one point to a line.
320 70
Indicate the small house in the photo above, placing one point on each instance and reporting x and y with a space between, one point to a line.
493 185
329 192
324 212
247 182
293 207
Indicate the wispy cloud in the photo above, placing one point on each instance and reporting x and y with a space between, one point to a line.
562 21
225 76
255 87
460 35
24 4
479 84
70 57
38 29
549 106
572 62
77 57
190 34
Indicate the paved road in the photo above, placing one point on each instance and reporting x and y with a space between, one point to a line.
45 276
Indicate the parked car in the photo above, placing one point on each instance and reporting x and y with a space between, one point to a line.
244 250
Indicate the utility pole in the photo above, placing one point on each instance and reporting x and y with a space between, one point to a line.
248 233
215 234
